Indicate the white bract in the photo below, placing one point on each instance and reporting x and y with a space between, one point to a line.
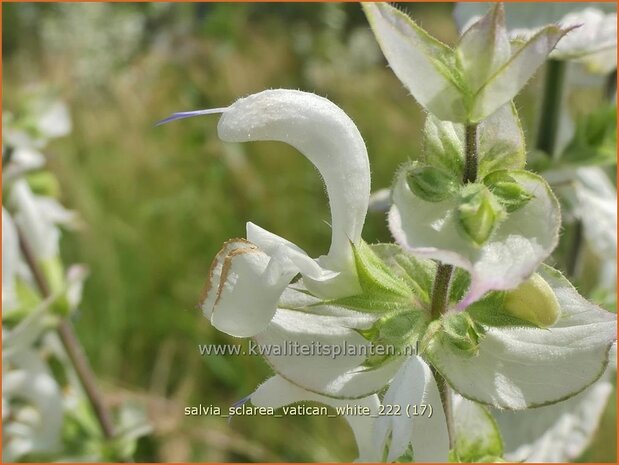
593 43
560 432
520 366
468 83
511 254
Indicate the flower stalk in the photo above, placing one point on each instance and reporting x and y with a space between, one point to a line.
470 162
71 345
442 280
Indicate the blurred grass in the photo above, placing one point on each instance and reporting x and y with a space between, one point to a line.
159 202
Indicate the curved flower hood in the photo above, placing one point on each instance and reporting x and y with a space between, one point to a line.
248 276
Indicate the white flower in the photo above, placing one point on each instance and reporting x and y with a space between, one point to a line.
256 271
39 217
34 425
10 260
414 385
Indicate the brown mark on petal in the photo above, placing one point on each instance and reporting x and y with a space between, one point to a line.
228 263
220 257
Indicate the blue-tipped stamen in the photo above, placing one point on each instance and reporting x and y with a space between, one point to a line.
238 403
190 114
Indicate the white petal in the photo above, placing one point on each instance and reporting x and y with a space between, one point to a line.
243 289
523 367
32 382
276 392
23 159
320 371
55 121
10 258
414 385
321 282
41 234
511 255
328 138
415 58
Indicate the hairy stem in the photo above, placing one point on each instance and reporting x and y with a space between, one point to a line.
551 107
442 280
470 162
72 346
440 290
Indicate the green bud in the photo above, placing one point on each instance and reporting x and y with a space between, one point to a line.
462 332
507 190
533 301
430 183
44 183
393 332
479 213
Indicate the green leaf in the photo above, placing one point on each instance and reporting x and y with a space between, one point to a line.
417 273
478 438
384 289
374 276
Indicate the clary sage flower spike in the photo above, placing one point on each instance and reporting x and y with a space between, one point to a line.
510 332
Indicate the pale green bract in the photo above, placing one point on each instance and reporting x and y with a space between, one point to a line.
466 84
593 43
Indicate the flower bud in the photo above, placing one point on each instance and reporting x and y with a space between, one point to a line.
479 213
430 183
533 301
507 190
462 332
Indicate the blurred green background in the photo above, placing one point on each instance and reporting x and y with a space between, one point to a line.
158 202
